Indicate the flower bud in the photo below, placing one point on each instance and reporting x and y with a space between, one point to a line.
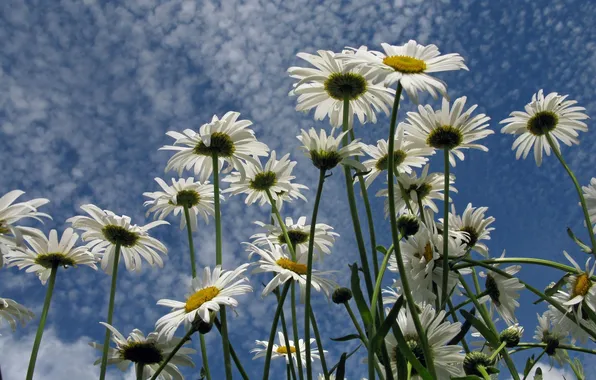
341 295
511 335
201 326
475 359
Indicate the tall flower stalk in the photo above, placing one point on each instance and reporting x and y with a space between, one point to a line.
106 339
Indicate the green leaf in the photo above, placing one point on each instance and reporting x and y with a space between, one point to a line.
581 244
381 249
341 367
481 327
359 297
346 338
529 364
347 357
386 325
464 330
469 377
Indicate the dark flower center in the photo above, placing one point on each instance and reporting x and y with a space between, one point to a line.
492 289
296 237
48 260
221 144
398 157
120 235
416 349
263 181
473 236
340 86
542 122
142 352
444 137
3 228
475 359
325 160
188 198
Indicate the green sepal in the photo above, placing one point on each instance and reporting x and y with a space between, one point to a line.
347 357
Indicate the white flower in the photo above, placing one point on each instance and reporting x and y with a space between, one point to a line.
197 196
281 350
448 128
208 294
448 359
473 225
552 335
566 322
299 234
590 197
11 236
275 260
230 139
550 114
407 154
427 187
327 85
409 64
150 351
275 177
13 313
104 230
46 253
326 152
391 293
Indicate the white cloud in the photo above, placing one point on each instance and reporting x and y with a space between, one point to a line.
549 373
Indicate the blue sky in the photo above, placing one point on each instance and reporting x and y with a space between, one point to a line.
89 88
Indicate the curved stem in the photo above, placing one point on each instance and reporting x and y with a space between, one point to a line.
315 329
561 346
518 260
106 340
191 246
582 200
311 244
485 374
282 225
205 357
295 331
163 364
445 230
378 283
534 363
42 321
280 305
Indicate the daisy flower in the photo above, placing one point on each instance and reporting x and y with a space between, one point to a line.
391 293
299 234
408 64
228 138
281 350
149 351
427 187
196 196
275 177
407 154
448 359
503 292
325 87
449 128
552 335
590 196
567 321
11 236
105 230
473 225
551 114
275 260
13 313
326 152
49 252
208 294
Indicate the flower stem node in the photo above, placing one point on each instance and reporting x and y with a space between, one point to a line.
475 359
201 326
407 225
341 295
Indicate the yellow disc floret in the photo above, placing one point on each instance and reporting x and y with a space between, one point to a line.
291 265
405 64
199 298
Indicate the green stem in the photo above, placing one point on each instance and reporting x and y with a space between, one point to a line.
311 244
232 353
455 319
282 225
284 329
106 340
139 369
356 324
534 363
519 260
226 342
561 346
315 329
396 239
163 364
354 207
482 370
205 357
496 352
191 246
280 305
42 321
295 331
577 188
445 230
377 291
288 371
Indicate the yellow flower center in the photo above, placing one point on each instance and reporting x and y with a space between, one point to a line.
199 298
581 286
405 64
283 350
291 265
428 252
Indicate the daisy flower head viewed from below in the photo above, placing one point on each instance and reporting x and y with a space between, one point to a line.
104 231
330 83
207 294
275 177
149 351
14 313
299 234
473 225
46 253
409 64
326 152
545 116
197 197
551 334
407 154
228 138
449 128
281 350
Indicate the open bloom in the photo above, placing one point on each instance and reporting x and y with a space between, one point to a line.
105 230
208 294
449 128
552 335
149 351
551 114
281 350
196 196
275 260
590 197
326 86
408 64
448 359
11 236
326 152
228 138
13 313
473 225
275 177
47 253
299 234
407 154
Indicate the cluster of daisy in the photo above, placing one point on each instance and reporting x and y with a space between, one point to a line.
411 329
